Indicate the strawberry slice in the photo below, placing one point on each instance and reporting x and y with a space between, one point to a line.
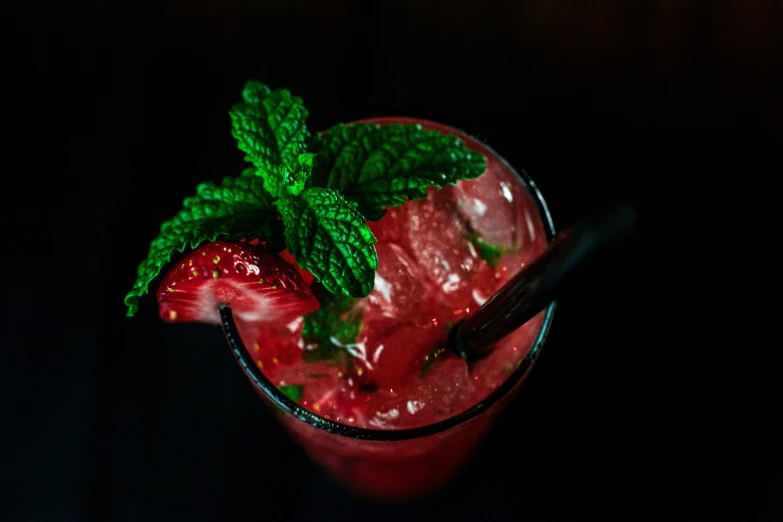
259 286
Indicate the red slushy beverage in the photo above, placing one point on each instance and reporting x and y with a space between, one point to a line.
341 260
439 260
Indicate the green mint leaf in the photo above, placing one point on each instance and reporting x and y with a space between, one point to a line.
384 166
330 238
489 253
306 161
322 352
295 392
270 129
334 325
273 180
236 209
254 92
293 179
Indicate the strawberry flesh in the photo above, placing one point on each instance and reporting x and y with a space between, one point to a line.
260 287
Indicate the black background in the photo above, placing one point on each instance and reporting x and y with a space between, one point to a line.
655 396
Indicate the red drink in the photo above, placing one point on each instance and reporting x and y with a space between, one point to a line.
399 416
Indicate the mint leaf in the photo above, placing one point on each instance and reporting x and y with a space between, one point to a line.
273 180
317 351
295 392
489 253
336 323
236 209
383 167
293 179
254 92
270 129
330 238
306 161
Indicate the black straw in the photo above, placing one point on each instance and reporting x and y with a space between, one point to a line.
539 283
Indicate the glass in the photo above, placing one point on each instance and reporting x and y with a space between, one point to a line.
397 465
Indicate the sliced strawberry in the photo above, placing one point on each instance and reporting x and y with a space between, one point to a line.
259 286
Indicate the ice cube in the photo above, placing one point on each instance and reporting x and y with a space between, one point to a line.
401 320
390 226
445 390
402 293
484 285
387 360
493 204
439 241
502 213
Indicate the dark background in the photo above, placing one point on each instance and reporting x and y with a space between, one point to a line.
655 397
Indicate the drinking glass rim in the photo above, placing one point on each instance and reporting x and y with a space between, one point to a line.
282 401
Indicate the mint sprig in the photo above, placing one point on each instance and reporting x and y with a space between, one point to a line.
327 236
335 324
269 126
324 190
383 167
239 208
270 129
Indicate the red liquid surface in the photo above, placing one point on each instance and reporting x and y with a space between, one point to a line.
431 275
